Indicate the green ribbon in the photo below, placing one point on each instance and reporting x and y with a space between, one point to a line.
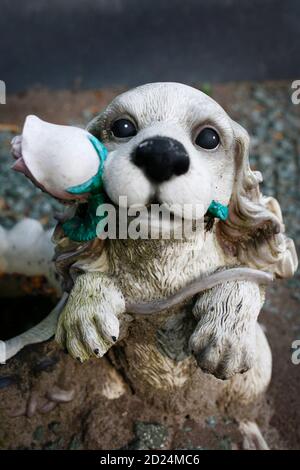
83 226
218 210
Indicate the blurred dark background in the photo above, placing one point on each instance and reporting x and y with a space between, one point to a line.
96 43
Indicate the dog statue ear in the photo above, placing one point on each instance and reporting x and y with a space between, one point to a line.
254 232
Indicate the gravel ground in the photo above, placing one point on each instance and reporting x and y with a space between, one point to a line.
266 111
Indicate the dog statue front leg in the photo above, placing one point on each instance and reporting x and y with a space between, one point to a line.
224 340
89 324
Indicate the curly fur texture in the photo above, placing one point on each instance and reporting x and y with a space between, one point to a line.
254 231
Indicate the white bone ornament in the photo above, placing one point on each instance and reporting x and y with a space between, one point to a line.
55 157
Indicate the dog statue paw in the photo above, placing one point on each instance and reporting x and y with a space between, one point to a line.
89 326
224 340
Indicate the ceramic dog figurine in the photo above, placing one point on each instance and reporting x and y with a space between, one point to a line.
172 144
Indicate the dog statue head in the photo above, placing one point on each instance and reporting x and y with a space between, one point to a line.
173 144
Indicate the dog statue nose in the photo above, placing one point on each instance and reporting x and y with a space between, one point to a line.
161 158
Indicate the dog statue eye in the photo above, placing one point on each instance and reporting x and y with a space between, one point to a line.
208 138
123 128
